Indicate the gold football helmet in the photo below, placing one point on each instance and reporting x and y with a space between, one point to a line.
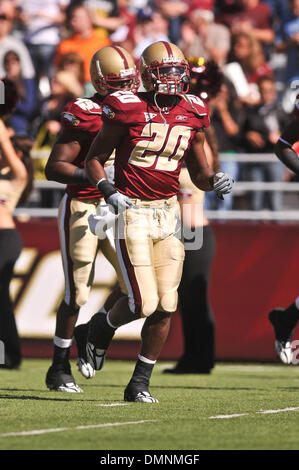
164 69
112 68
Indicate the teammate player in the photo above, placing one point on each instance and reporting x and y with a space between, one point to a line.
152 133
112 68
284 321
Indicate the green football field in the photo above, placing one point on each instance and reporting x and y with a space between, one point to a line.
238 406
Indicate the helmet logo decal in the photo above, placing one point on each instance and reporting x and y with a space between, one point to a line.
171 59
126 72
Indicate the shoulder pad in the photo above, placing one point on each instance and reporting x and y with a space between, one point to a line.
198 103
199 110
84 106
120 107
79 112
122 99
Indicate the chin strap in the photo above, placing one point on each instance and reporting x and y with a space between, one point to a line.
159 109
190 102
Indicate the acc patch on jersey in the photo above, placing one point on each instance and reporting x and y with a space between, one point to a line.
108 111
71 118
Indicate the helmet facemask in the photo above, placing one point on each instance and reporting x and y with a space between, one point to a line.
111 83
170 78
127 80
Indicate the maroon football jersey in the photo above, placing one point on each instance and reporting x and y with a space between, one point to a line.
149 158
84 114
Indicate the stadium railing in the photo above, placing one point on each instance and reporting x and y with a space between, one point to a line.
240 187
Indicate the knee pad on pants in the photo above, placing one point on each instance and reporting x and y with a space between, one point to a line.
168 302
146 307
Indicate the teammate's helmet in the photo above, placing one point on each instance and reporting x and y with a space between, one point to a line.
164 69
112 68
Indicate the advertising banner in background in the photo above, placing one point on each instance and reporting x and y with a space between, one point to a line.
255 269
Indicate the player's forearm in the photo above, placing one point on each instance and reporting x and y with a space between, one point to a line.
65 173
94 170
288 156
212 142
204 179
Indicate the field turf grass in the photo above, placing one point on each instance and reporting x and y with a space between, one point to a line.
194 411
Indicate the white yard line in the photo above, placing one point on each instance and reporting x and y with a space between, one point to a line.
228 416
112 404
77 428
237 415
293 408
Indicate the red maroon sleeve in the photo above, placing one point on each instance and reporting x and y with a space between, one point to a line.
82 114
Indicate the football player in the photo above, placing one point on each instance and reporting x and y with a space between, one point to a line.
112 68
198 323
152 133
284 321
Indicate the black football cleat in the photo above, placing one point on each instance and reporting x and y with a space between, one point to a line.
99 337
95 356
80 335
283 336
62 380
138 394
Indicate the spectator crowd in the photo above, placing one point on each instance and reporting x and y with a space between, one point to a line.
46 47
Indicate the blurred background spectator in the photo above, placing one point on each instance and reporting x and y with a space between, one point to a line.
46 47
201 36
246 63
19 121
151 26
83 39
106 15
252 17
227 115
41 21
73 62
288 42
9 42
174 11
124 33
64 87
262 126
